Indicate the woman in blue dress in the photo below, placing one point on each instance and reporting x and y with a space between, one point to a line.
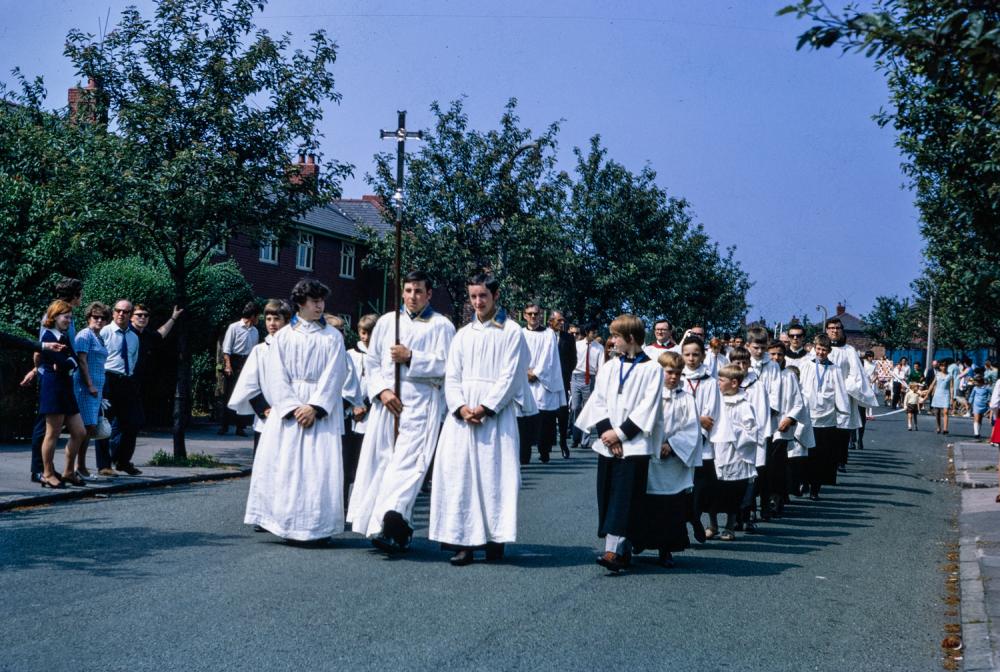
88 380
56 399
942 393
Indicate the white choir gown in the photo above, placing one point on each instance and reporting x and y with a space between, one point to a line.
296 489
477 471
681 429
543 350
251 383
391 471
800 435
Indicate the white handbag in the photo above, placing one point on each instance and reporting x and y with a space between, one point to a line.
103 428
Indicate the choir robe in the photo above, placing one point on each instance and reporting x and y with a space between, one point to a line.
793 405
769 373
859 387
830 409
353 394
734 459
477 472
390 473
248 392
296 489
543 349
708 402
714 362
357 354
627 398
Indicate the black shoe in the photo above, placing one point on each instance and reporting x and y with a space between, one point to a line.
612 561
461 558
842 468
394 527
386 544
665 560
543 458
129 469
565 451
814 498
36 478
240 432
494 551
699 531
223 431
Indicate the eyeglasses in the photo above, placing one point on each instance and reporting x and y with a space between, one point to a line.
796 335
124 311
531 314
140 314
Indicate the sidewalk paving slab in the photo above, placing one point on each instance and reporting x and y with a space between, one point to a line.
234 452
979 554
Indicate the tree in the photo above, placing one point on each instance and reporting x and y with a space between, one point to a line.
205 110
891 323
942 63
636 250
478 200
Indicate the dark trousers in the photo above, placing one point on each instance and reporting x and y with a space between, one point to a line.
37 436
772 478
125 414
229 417
528 427
704 493
897 393
562 420
351 454
859 441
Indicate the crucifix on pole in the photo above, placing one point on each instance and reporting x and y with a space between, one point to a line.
400 135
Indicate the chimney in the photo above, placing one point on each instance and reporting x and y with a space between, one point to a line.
86 104
305 169
841 308
374 200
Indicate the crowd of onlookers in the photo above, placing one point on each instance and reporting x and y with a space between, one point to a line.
90 384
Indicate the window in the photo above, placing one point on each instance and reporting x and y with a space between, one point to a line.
346 260
304 254
269 250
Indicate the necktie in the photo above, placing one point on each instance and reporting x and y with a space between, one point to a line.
124 351
586 366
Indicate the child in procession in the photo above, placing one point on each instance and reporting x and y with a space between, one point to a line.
734 459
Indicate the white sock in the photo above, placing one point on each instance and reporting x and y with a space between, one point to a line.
614 544
975 429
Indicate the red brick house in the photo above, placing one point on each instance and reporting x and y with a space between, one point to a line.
325 243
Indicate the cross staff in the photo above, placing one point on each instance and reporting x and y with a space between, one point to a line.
400 134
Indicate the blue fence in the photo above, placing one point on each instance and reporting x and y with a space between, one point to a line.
978 357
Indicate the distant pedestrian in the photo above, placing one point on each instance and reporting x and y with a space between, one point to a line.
942 393
900 379
912 401
979 403
88 380
241 336
56 400
567 361
589 358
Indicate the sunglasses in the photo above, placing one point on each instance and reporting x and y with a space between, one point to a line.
141 314
124 311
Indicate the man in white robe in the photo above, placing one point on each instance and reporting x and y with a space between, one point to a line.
859 387
296 490
477 472
546 383
830 408
392 468
793 426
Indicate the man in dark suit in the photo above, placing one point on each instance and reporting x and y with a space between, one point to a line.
567 360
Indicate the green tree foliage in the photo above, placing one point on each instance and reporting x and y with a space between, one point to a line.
601 243
636 250
478 200
206 109
942 63
892 323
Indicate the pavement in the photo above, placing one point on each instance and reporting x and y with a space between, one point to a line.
979 547
170 578
234 453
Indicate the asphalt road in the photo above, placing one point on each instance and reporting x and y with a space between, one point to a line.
171 579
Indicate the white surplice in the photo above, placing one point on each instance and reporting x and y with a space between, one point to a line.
477 471
735 459
714 362
627 393
357 355
825 394
391 472
543 349
353 394
251 383
857 384
296 490
708 403
800 435
675 473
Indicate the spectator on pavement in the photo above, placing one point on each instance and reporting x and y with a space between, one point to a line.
125 410
942 392
150 341
56 401
88 380
900 378
239 340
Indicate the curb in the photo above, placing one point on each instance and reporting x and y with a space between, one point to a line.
963 476
91 492
978 650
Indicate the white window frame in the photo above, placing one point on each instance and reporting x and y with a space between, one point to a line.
269 250
348 255
306 248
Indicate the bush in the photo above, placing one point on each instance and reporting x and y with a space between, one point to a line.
217 293
18 405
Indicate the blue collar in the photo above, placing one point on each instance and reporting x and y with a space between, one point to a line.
500 317
424 315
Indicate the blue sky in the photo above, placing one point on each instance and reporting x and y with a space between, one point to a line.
775 149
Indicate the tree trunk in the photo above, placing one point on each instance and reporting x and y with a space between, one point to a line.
182 393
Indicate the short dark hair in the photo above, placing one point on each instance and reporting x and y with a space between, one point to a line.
250 310
739 355
693 339
757 335
777 345
68 289
486 279
419 276
308 288
832 320
280 308
797 327
822 339
663 320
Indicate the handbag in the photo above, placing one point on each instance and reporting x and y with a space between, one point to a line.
103 427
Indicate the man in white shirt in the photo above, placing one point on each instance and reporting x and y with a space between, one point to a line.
241 337
122 393
589 357
546 384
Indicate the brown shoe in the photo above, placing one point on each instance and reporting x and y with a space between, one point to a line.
106 471
612 561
